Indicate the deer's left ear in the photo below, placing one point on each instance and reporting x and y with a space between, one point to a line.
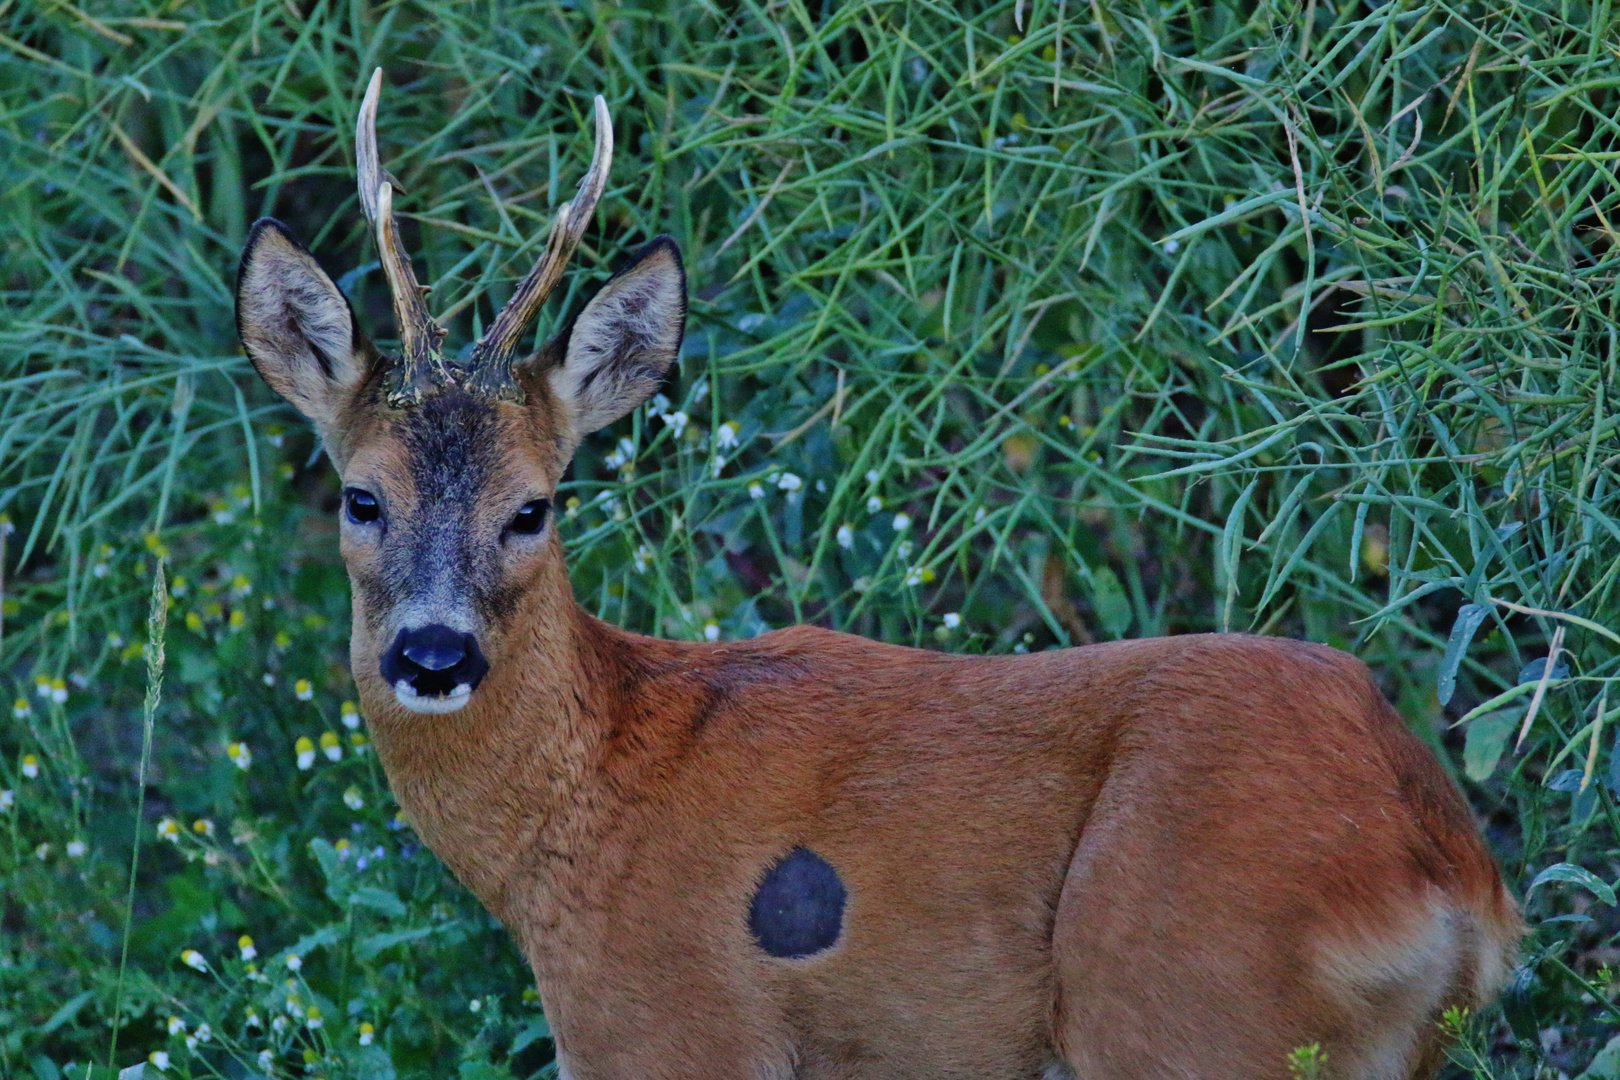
623 342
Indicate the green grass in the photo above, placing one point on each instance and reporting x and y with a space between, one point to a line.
1296 318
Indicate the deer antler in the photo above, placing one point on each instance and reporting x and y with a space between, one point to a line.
489 369
421 368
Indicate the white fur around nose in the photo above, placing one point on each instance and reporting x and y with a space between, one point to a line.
407 696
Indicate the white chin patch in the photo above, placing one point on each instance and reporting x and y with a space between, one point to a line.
449 703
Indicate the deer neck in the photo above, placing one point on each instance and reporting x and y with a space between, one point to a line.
506 790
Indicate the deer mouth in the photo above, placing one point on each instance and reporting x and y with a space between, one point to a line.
408 696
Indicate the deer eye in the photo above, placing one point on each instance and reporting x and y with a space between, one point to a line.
530 518
360 506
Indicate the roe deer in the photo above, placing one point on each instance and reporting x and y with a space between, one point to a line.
812 855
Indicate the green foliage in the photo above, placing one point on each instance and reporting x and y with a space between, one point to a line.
1013 325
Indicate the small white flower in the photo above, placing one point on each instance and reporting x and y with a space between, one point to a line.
177 1026
42 852
245 943
21 709
627 447
59 692
1020 648
278 1024
677 422
239 754
302 690
253 1020
313 1018
474 1005
351 716
223 517
659 405
331 746
902 522
614 460
717 465
873 504
352 799
194 959
725 436
367 1034
952 620
978 515
191 1042
871 476
99 570
755 491
159 1060
1172 246
641 557
169 829
269 679
266 1059
789 482
711 631
30 767
76 849
294 962
305 749
204 1033
42 686
846 536
8 799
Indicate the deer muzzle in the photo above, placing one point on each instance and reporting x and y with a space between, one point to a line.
433 669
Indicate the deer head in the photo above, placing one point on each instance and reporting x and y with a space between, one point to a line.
449 467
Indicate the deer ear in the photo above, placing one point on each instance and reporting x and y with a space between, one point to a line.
622 344
297 327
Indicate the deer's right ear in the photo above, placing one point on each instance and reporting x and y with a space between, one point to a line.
297 327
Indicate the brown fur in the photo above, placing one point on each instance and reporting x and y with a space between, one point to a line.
1144 857
1166 858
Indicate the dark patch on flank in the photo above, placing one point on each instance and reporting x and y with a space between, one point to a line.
798 910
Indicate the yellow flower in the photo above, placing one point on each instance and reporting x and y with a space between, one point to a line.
30 766
305 750
194 622
331 746
303 690
245 943
367 1034
239 754
350 714
203 827
238 619
169 829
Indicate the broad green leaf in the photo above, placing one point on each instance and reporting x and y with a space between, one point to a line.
1487 736
1575 875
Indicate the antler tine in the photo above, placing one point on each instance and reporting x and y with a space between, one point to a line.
421 368
490 366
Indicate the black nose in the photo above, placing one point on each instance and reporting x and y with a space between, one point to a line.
434 660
